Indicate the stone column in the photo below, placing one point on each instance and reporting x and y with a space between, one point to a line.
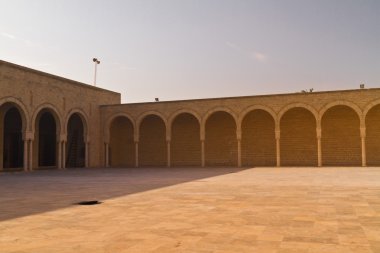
25 163
168 153
203 153
136 154
106 146
238 137
86 156
30 155
59 162
63 154
319 146
278 151
364 154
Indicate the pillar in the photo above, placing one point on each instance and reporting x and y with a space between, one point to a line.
86 155
63 154
168 153
238 135
30 155
106 147
60 158
364 154
203 152
25 163
136 154
278 157
319 145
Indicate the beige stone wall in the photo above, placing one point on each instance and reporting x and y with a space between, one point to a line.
122 145
32 91
373 136
296 136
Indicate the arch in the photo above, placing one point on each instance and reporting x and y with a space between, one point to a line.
109 122
53 110
152 140
84 118
220 139
258 143
12 151
22 109
147 113
76 147
181 111
121 141
185 140
218 109
352 105
288 107
369 106
341 142
372 126
252 108
298 142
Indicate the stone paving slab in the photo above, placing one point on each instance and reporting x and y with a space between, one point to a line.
217 210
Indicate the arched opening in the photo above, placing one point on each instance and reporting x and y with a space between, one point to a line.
372 122
221 142
341 144
75 148
258 141
298 139
185 142
122 148
152 145
46 140
12 145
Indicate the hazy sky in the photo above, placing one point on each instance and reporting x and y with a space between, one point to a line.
180 49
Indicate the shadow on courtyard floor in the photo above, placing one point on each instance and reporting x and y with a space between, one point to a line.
23 194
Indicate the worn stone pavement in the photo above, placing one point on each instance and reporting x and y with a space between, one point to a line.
215 210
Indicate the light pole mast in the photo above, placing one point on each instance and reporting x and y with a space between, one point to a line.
96 61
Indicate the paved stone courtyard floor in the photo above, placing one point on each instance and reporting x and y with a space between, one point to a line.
282 210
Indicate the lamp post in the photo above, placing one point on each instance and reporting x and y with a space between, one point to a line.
96 61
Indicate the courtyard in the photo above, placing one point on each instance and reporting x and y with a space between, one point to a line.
282 210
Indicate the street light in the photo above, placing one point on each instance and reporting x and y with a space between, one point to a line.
96 61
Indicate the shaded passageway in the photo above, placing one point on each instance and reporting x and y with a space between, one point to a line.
341 144
122 148
221 141
298 138
152 145
76 148
258 139
185 141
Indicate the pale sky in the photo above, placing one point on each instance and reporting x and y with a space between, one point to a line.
182 49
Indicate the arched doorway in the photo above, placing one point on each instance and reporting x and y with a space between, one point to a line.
46 140
341 144
221 141
185 141
75 148
152 145
122 148
298 138
258 141
13 150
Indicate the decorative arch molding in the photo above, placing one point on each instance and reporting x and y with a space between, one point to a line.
145 114
218 109
369 106
54 111
251 108
299 105
111 118
84 118
182 111
22 108
349 104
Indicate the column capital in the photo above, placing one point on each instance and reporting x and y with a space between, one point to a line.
319 133
238 135
28 136
63 137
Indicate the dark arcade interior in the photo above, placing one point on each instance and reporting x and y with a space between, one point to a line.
76 149
12 140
